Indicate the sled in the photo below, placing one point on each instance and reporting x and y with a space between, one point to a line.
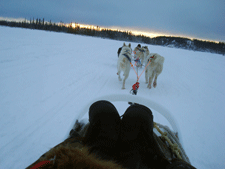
172 136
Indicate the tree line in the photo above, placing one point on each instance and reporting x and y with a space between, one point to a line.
175 42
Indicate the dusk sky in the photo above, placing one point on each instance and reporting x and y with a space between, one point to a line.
201 19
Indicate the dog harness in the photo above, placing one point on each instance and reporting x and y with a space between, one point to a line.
127 57
141 50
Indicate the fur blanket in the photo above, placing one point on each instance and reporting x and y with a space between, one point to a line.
67 156
72 154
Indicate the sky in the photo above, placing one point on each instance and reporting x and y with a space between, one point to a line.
201 19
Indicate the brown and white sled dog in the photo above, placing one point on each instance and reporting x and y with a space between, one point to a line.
154 68
146 52
141 53
123 63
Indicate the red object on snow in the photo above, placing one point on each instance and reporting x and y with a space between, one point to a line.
135 86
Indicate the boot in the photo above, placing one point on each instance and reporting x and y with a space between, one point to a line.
104 127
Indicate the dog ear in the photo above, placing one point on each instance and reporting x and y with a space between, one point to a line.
124 44
129 45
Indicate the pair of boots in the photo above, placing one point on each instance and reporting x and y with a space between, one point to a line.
129 140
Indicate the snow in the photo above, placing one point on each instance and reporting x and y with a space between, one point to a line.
46 78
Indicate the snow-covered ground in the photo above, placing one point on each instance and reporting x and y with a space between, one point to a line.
46 78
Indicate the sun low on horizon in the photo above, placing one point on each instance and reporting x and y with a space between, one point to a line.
114 28
133 31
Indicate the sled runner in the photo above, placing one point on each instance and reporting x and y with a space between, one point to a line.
170 137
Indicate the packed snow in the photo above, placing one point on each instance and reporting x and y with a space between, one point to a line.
46 78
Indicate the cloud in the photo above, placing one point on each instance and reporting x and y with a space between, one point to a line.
193 18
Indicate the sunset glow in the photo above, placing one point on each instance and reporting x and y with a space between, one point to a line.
133 31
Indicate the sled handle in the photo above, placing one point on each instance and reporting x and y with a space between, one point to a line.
136 99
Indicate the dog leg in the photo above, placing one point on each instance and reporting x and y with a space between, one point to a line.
146 76
118 73
155 81
123 87
159 70
125 78
119 78
150 81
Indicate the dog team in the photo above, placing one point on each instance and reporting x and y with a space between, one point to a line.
152 62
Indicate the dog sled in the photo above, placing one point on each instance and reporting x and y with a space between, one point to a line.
72 153
169 137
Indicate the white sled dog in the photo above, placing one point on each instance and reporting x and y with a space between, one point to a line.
154 68
123 63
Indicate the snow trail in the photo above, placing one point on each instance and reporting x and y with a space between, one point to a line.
47 78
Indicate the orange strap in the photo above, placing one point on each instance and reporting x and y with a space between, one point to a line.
138 77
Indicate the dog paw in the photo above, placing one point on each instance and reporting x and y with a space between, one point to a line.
154 84
123 88
149 86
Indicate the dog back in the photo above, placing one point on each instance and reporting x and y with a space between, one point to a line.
157 59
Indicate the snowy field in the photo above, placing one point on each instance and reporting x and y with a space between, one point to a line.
46 78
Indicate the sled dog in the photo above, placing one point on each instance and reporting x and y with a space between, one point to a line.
141 53
146 52
154 68
123 63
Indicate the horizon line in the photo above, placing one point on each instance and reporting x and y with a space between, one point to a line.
134 31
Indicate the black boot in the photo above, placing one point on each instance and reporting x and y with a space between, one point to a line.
136 119
104 131
137 138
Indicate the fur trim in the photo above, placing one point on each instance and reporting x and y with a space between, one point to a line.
63 157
